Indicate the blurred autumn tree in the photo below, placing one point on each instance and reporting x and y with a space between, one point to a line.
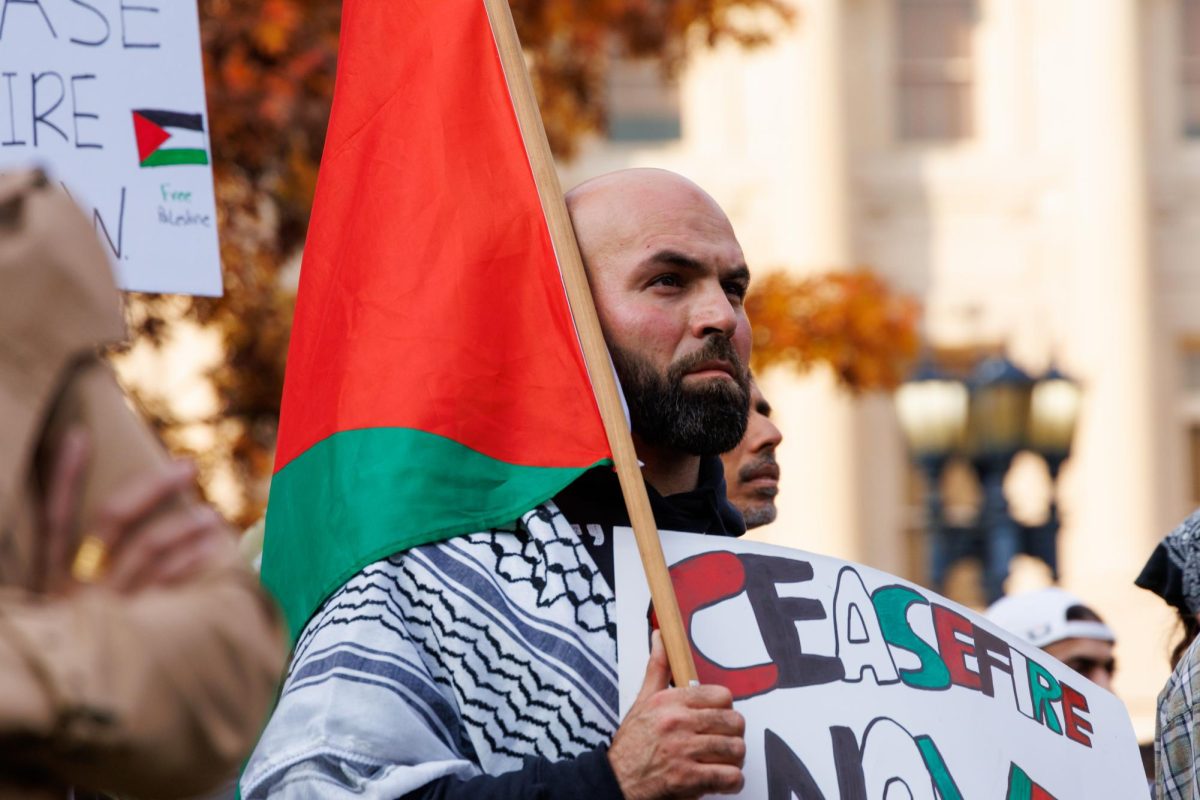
851 321
269 67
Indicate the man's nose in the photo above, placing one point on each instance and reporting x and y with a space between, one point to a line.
769 435
714 314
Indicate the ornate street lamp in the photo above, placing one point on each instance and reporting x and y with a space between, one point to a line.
1054 412
997 421
996 414
933 415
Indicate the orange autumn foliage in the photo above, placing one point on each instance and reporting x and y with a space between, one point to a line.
851 321
269 71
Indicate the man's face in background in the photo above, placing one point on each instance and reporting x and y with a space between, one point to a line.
1091 658
751 472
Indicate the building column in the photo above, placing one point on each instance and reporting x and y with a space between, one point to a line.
839 494
1114 501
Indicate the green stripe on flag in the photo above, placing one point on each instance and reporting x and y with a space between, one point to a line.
176 156
359 496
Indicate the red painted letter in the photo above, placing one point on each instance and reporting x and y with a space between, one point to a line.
706 580
1077 727
954 650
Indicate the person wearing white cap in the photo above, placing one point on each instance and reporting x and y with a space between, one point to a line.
1062 625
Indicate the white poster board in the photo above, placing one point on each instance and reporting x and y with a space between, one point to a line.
108 97
856 685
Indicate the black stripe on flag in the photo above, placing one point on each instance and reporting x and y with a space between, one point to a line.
172 119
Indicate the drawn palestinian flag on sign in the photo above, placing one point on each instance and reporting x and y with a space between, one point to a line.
154 127
1022 787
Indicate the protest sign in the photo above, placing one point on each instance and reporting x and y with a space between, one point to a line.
108 97
857 685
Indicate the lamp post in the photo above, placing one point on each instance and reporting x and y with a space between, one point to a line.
933 414
987 420
996 423
1054 411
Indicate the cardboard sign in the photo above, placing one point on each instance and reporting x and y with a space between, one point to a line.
108 97
857 685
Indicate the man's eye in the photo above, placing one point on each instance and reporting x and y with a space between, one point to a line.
667 280
738 290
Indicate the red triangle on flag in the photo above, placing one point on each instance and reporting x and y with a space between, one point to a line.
150 136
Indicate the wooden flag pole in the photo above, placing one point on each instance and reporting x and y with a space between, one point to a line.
595 352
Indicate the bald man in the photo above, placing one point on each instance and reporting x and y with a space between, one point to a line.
485 666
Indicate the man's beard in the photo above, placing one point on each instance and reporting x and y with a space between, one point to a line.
706 420
759 509
762 512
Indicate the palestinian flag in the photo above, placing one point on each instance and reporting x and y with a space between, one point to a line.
1022 787
435 385
153 127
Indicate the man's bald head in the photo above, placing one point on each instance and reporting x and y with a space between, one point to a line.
668 277
613 211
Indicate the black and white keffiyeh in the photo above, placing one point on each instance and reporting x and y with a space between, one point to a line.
1173 570
459 658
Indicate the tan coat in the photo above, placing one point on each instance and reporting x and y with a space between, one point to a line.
156 694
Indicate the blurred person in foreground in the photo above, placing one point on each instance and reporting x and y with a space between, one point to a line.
1061 624
1173 573
139 656
751 471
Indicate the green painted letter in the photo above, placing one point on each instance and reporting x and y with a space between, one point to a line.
942 779
891 606
1044 691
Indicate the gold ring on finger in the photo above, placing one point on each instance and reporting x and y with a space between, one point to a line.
90 560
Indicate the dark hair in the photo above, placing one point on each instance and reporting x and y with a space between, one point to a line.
1082 614
1191 627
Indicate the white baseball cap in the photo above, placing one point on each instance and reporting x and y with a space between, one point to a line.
1046 616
